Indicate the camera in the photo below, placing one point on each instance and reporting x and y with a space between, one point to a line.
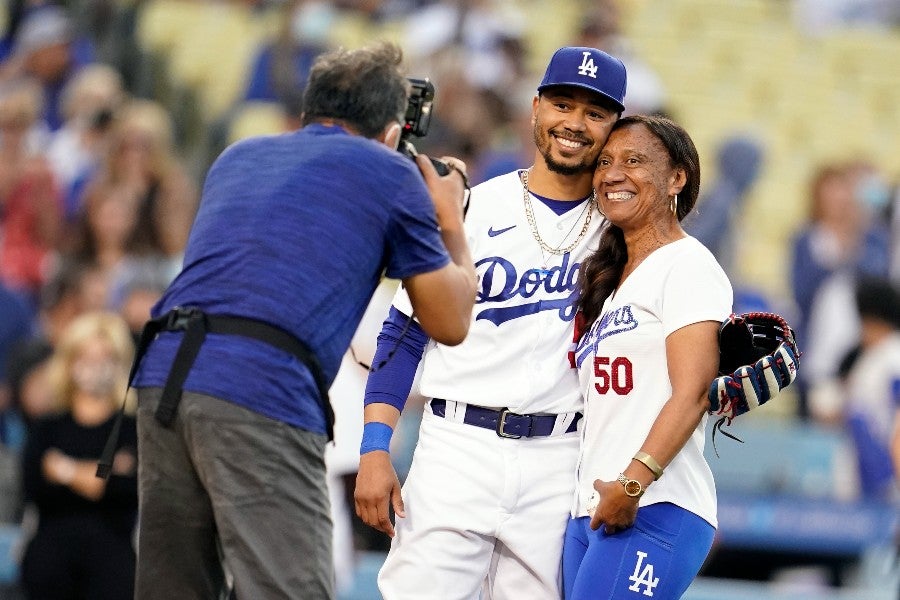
418 118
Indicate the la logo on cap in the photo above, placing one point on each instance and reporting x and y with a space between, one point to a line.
587 66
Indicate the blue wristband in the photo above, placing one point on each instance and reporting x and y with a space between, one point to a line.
376 436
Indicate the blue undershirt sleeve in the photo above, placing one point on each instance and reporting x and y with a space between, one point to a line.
397 356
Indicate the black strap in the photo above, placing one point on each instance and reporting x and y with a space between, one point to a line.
188 349
717 426
285 341
196 324
148 334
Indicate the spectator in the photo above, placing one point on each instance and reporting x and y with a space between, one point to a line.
142 168
15 327
107 241
29 202
866 398
839 238
282 65
89 102
29 400
30 393
136 293
739 160
873 385
48 50
486 35
72 289
83 544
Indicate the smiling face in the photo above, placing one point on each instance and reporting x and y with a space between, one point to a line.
635 179
570 127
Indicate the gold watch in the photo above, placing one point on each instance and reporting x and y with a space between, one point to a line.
633 487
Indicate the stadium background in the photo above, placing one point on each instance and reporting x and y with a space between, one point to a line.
805 90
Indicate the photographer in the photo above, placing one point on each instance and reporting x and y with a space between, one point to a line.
292 236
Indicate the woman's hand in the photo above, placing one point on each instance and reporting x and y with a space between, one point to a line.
616 510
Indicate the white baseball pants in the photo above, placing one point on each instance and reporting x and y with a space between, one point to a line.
483 514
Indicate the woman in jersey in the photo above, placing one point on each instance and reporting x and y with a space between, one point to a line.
652 302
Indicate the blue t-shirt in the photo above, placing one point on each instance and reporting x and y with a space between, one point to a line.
294 230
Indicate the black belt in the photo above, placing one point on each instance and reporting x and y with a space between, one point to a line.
196 324
507 424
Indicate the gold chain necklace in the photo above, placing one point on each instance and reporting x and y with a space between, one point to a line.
529 212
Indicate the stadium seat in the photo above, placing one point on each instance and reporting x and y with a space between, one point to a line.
215 56
163 24
256 118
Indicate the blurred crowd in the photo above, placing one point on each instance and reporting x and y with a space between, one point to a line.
102 156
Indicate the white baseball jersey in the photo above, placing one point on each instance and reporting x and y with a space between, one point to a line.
623 373
482 509
516 352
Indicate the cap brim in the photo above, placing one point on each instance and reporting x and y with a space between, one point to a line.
578 84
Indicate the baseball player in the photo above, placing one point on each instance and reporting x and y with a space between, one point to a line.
485 503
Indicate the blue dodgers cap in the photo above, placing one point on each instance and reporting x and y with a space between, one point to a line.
587 68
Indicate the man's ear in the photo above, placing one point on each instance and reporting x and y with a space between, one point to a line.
390 135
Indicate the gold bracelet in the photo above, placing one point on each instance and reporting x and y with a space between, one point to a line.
649 462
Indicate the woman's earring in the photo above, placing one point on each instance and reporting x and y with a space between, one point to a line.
673 205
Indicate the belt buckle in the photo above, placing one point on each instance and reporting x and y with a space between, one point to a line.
501 425
179 317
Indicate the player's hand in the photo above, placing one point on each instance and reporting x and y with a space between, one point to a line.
376 485
448 191
616 510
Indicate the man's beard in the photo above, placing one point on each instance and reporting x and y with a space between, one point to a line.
543 145
563 169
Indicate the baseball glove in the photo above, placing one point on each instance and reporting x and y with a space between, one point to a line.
758 357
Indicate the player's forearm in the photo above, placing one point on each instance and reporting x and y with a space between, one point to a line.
455 241
450 216
399 348
672 429
692 360
397 354
381 413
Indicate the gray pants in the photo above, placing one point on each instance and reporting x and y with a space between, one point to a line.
225 474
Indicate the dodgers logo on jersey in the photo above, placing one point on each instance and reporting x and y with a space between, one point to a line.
587 66
500 282
611 323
